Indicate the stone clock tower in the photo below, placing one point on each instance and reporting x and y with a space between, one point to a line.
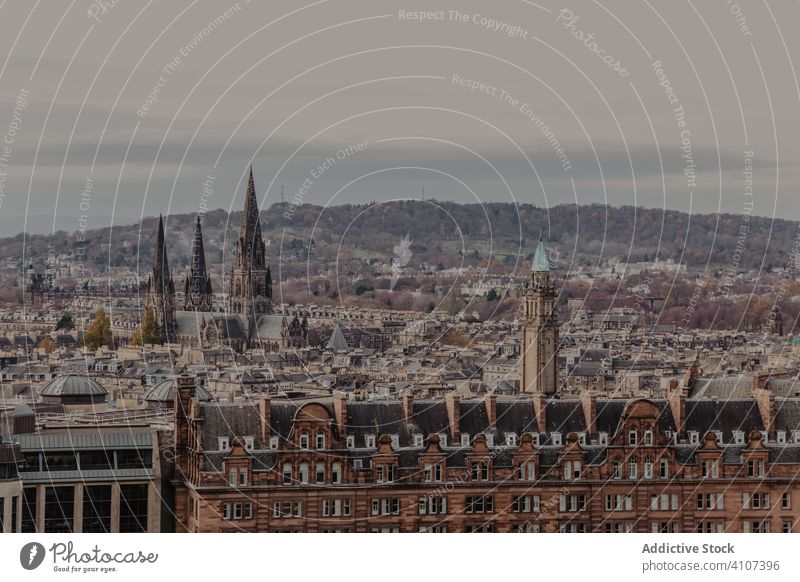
540 332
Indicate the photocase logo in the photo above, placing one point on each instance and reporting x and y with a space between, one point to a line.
402 255
31 555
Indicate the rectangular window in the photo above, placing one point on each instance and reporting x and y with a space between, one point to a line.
351 442
484 504
59 503
96 508
243 476
14 513
29 510
273 443
648 437
224 443
786 500
632 437
133 508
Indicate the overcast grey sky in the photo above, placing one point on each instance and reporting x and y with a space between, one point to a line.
145 100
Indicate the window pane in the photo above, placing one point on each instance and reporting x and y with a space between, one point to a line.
133 508
96 508
59 504
29 510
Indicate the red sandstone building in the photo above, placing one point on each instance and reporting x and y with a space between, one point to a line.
528 464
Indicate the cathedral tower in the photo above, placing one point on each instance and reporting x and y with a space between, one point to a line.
250 292
160 288
198 283
540 332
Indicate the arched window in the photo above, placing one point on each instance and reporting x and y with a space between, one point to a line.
304 473
633 469
320 439
617 469
287 473
664 474
336 473
648 468
319 473
304 440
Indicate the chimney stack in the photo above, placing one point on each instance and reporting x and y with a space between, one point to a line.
453 414
540 409
340 412
408 405
766 406
677 403
265 412
589 403
491 408
183 394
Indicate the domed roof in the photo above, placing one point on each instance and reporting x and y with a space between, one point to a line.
164 392
73 385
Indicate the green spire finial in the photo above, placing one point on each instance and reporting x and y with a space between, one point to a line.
540 263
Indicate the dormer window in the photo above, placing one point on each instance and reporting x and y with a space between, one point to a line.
582 438
395 441
572 470
511 439
304 440
480 471
781 437
694 437
489 439
224 443
249 443
320 439
648 437
738 437
370 441
796 436
632 437
556 438
718 434
419 440
464 439
273 443
527 471
603 438
535 436
442 439
351 442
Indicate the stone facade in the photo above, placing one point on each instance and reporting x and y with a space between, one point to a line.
504 465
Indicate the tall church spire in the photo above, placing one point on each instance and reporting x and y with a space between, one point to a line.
250 293
198 290
160 288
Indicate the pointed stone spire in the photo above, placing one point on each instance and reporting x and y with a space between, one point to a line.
198 283
250 233
160 287
160 279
